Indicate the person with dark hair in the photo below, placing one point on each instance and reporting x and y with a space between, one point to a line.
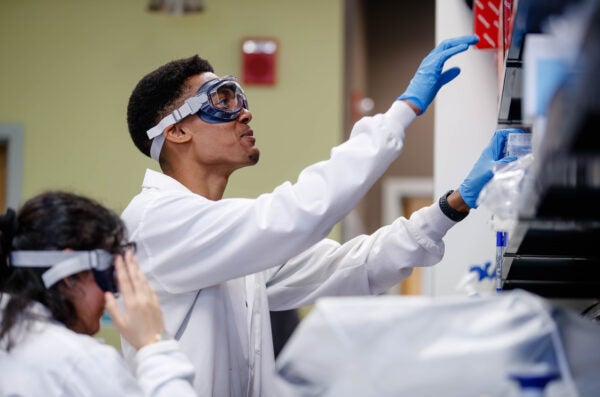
219 265
56 278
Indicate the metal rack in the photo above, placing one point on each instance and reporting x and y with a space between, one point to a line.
554 250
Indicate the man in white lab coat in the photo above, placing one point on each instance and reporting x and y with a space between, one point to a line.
219 265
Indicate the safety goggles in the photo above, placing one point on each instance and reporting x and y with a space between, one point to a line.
217 101
62 264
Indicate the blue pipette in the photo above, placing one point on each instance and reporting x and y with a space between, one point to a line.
500 247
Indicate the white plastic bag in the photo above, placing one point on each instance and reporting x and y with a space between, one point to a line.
451 346
502 194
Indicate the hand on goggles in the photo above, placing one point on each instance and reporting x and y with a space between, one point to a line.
140 319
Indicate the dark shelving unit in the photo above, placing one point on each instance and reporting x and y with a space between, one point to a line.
554 250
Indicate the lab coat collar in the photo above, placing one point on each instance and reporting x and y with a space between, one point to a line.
158 180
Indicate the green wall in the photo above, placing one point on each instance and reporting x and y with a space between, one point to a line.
67 68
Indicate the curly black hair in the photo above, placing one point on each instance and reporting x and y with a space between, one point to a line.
158 94
50 221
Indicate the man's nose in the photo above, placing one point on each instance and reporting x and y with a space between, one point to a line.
245 116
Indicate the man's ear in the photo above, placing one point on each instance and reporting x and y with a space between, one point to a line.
177 133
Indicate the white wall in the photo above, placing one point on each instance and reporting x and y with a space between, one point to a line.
465 119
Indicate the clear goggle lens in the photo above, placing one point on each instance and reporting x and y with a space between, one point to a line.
227 96
222 100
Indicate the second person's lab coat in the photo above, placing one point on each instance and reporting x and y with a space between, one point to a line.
48 359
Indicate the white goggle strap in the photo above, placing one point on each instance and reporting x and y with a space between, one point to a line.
61 263
156 147
190 106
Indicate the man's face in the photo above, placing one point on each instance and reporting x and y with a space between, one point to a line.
229 145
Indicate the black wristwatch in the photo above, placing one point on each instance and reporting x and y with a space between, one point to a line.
450 212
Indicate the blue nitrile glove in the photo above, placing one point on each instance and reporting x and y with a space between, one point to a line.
429 77
482 171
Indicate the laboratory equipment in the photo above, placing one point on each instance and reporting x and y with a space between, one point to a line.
451 346
501 240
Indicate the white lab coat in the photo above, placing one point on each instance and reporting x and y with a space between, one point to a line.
48 359
226 263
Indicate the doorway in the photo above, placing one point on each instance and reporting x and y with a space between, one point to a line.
11 165
385 43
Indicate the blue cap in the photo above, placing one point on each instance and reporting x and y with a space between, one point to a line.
501 238
532 381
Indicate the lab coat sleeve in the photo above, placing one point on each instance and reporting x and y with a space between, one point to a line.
163 371
189 242
364 265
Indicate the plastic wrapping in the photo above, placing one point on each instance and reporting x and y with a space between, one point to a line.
518 144
501 195
434 347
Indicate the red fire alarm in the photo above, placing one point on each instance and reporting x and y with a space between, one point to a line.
259 58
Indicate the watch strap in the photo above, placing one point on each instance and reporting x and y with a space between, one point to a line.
450 212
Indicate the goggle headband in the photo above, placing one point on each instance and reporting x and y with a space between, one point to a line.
62 264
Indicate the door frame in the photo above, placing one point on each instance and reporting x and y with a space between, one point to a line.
12 135
394 190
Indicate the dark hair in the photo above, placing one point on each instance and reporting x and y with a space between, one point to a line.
158 94
50 221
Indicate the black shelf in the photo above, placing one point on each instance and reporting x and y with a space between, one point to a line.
554 249
509 110
555 239
529 18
